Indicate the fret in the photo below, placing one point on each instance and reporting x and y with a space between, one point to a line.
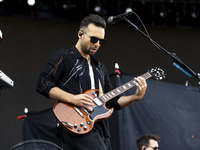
146 75
109 94
121 89
124 87
106 96
118 90
133 81
103 98
112 93
129 84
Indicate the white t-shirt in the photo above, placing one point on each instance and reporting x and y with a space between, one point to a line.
91 76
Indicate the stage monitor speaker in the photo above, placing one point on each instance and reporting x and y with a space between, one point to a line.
36 144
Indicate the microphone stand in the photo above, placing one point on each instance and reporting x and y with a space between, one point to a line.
178 63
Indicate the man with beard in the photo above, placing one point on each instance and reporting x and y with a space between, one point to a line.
72 71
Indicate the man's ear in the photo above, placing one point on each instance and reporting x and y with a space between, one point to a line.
80 33
143 147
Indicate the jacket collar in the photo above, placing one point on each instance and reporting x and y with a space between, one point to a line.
78 55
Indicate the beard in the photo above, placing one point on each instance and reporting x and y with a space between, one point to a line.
87 50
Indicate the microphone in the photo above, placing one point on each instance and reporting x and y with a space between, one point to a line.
113 19
1 35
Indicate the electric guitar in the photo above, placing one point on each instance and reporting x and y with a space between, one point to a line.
80 121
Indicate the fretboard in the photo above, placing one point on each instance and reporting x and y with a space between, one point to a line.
121 89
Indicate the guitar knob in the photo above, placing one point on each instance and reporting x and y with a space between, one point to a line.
79 129
81 124
85 128
89 122
75 125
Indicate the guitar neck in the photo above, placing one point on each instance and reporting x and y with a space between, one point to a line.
121 89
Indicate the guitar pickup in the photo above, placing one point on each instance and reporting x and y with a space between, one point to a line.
85 110
97 101
79 112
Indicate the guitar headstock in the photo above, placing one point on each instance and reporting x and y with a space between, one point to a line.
157 73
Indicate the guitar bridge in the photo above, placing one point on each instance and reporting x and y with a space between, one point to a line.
68 124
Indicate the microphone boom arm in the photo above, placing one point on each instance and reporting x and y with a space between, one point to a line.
178 63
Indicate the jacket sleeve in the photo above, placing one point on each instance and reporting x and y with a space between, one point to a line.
50 74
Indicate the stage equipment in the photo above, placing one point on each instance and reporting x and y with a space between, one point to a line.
178 63
113 19
36 144
5 81
24 115
117 71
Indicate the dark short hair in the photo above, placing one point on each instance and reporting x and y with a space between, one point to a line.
94 19
144 140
